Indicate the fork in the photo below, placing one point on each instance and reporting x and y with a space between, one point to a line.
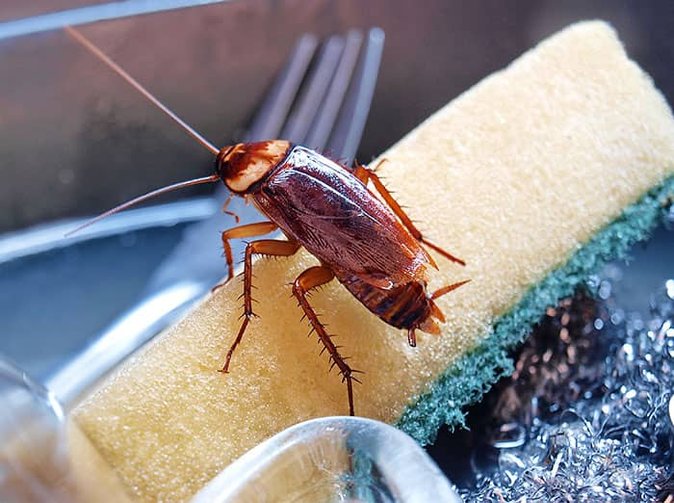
327 113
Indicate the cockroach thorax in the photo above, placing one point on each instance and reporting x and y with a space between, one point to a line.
244 164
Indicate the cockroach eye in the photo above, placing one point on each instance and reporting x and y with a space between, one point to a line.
245 164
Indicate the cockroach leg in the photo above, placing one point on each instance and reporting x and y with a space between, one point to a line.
446 289
308 280
366 175
237 218
362 172
261 247
242 231
412 337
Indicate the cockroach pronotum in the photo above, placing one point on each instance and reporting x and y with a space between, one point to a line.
368 243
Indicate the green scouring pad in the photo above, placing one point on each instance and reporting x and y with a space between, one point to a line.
464 382
535 177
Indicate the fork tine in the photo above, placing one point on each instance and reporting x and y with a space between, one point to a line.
320 130
335 98
273 111
313 93
349 129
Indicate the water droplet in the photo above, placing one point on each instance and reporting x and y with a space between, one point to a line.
617 317
604 290
628 351
669 285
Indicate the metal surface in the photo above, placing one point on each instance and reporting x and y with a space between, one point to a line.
92 13
45 238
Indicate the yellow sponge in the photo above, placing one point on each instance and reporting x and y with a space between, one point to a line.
520 177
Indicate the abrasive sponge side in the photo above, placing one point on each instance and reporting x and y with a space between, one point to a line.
474 373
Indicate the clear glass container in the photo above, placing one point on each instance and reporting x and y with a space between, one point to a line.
333 459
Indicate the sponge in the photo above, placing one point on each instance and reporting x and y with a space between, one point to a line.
534 177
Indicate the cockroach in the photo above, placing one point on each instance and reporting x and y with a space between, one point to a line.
367 243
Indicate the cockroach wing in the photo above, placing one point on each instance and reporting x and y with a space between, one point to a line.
338 220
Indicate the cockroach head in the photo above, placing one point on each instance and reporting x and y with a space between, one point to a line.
243 165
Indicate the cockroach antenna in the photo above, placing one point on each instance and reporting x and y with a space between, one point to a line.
77 36
145 197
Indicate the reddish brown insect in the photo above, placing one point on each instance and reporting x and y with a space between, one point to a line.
369 244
